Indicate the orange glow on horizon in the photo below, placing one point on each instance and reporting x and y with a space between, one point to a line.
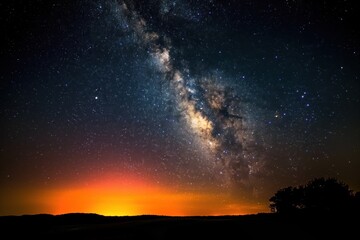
129 196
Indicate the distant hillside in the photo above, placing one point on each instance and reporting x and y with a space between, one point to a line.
92 226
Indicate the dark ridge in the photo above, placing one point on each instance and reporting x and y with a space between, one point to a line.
259 226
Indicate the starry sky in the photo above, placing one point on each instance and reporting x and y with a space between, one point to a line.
174 107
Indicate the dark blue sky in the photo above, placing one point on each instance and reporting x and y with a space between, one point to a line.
269 92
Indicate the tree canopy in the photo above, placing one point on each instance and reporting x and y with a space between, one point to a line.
318 195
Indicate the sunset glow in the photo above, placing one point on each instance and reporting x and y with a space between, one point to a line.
127 196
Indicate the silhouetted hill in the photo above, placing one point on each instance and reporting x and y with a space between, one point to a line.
260 226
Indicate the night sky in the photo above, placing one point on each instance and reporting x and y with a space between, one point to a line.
175 107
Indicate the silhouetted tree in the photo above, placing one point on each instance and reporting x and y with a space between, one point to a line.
287 200
318 195
326 195
356 202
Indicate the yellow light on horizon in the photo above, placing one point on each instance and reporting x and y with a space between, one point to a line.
125 197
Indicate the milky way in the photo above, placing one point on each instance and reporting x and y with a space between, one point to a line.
212 112
218 102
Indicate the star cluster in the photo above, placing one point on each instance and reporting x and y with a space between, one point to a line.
219 101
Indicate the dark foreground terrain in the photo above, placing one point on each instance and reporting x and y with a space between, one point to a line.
261 226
